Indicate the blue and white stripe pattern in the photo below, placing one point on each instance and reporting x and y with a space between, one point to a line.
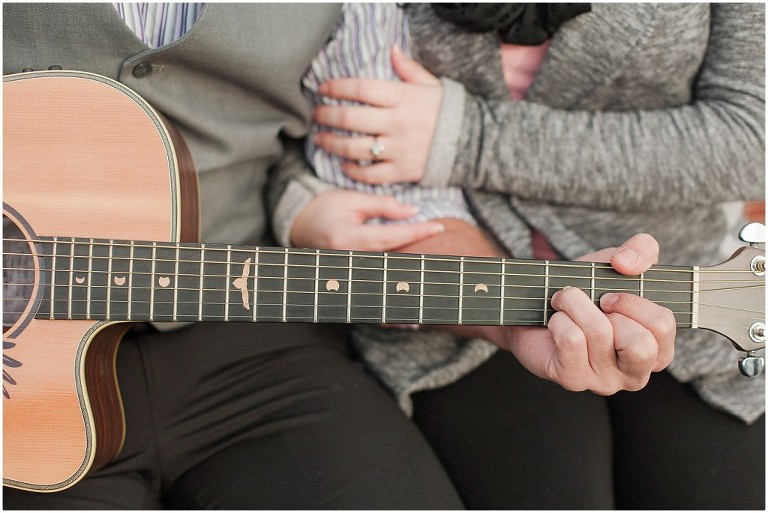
361 47
159 24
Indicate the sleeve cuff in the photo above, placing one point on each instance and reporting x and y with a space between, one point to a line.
442 155
295 198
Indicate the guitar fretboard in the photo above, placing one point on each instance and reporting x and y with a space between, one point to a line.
147 281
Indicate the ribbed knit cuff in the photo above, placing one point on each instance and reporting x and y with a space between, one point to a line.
450 119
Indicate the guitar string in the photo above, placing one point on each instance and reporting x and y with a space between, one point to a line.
324 253
346 268
398 307
336 294
484 308
108 283
723 320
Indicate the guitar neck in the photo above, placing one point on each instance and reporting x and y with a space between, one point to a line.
157 281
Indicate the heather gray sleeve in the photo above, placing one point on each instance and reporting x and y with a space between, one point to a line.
292 186
711 150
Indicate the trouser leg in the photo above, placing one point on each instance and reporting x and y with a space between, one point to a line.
510 440
330 438
675 452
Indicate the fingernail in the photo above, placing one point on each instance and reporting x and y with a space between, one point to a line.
608 300
413 209
626 256
438 228
396 49
323 88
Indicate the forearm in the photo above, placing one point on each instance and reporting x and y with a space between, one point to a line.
707 151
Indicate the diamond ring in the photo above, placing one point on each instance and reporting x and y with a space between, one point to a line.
376 148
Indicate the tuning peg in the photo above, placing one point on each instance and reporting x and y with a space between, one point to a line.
753 234
751 365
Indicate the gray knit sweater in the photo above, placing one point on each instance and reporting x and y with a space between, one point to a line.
642 118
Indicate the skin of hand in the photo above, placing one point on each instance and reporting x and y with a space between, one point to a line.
403 116
336 219
607 349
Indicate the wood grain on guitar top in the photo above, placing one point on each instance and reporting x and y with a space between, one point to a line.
81 158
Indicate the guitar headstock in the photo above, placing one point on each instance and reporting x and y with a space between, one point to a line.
731 298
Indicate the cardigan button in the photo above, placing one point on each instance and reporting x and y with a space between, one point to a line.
142 70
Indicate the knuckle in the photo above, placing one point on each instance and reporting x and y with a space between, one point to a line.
344 116
667 325
335 240
645 350
572 339
635 383
359 90
600 333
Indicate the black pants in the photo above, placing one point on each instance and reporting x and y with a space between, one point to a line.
512 441
255 416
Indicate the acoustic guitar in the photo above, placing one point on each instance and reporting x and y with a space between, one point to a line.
100 224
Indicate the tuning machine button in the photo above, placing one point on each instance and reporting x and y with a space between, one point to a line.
751 365
753 234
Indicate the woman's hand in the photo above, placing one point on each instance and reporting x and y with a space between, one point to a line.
603 349
336 219
398 116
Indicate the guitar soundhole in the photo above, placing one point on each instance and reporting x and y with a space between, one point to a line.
18 273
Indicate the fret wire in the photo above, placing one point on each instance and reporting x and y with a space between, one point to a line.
226 282
384 293
176 286
202 274
152 287
255 280
109 282
546 291
317 283
695 298
461 286
592 282
130 280
285 285
503 284
421 290
349 289
53 276
88 292
71 277
641 284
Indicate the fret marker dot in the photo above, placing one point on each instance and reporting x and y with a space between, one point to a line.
119 280
80 280
164 281
402 287
332 285
481 286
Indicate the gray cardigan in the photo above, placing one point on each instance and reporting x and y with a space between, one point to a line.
642 118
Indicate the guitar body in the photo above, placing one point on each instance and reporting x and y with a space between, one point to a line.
83 157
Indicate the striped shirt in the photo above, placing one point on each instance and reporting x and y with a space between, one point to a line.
159 24
360 47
